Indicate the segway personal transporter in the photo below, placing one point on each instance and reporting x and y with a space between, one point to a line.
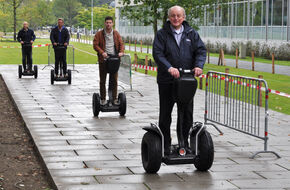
60 48
22 71
201 150
112 66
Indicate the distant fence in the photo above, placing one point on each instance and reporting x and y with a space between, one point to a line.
238 103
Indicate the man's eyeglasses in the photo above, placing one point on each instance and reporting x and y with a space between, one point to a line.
177 16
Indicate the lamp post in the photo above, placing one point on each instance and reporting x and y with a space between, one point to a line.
92 18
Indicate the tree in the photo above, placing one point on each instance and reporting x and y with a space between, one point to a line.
15 5
87 3
4 17
153 11
84 16
37 12
67 9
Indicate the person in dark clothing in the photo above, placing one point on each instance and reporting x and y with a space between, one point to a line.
175 46
26 37
59 37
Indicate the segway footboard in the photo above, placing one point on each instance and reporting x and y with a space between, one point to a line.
106 108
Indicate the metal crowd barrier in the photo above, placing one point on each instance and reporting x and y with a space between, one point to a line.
239 103
125 70
70 57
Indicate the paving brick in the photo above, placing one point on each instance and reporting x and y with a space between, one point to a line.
105 186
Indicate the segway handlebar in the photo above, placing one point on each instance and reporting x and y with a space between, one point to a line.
27 44
112 57
60 45
186 71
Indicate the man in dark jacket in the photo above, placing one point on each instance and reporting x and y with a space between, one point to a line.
176 46
59 38
26 37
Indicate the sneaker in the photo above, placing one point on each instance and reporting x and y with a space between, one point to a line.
66 75
103 102
116 102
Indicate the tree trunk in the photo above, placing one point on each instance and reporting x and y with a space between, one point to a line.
155 19
155 26
15 21
164 17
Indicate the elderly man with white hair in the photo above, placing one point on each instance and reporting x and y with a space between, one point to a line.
176 45
26 37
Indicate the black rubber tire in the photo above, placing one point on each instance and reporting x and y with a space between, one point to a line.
205 157
20 71
123 104
35 71
96 104
151 152
69 76
52 76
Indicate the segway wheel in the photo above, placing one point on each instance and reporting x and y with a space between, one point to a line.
69 76
35 71
20 71
205 157
123 103
96 104
52 76
151 151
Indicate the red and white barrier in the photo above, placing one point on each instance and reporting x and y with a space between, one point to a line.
222 78
148 68
250 85
42 45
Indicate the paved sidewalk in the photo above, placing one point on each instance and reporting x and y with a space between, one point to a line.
83 152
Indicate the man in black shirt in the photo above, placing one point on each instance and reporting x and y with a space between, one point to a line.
26 37
59 38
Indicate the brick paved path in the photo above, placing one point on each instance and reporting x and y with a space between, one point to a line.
83 152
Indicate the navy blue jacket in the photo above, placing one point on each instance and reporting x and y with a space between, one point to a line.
190 54
64 35
25 36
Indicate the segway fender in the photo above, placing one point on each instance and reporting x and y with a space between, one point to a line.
153 128
197 129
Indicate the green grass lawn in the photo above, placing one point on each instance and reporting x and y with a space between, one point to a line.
228 56
279 82
257 59
276 82
40 54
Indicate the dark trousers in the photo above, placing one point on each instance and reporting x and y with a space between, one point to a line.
60 59
166 103
113 82
27 57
